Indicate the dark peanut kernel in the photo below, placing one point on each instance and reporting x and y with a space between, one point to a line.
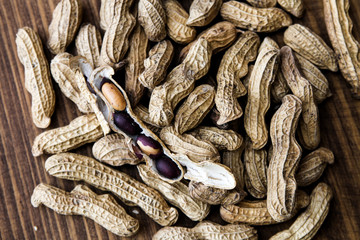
167 167
148 145
126 124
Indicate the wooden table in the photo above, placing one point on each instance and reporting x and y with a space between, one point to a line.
21 172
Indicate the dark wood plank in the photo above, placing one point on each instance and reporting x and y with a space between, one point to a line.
21 172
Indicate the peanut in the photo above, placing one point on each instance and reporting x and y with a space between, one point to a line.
76 167
176 17
152 17
254 19
135 65
207 230
309 222
37 76
339 27
310 45
232 159
312 166
107 12
64 73
116 39
281 171
295 7
114 96
176 193
309 131
65 22
258 103
81 130
279 87
156 65
262 3
103 209
195 108
88 42
201 13
233 66
115 150
256 213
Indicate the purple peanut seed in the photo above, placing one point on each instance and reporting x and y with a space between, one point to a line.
126 124
167 168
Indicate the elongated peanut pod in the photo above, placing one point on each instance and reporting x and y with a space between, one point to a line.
207 231
176 193
65 22
103 209
233 66
88 42
152 17
81 130
201 13
281 171
107 12
76 167
37 76
309 222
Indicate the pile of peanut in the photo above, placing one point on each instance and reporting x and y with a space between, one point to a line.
179 126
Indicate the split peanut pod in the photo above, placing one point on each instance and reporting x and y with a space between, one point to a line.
233 66
64 73
88 42
176 18
81 168
176 193
201 12
37 76
308 223
256 213
116 39
254 19
81 130
116 108
207 230
281 171
65 22
339 27
103 209
258 103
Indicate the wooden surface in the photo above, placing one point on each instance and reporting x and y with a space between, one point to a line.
21 172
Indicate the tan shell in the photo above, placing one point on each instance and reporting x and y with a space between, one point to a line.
176 18
262 3
65 22
258 103
135 65
116 38
317 80
107 111
339 27
201 12
37 76
309 222
143 113
279 87
88 43
281 171
81 168
220 36
179 83
115 150
311 46
206 194
295 7
64 73
313 165
255 19
233 66
176 193
256 213
81 130
196 150
309 129
195 108
222 139
107 12
232 159
207 230
152 17
103 209
156 65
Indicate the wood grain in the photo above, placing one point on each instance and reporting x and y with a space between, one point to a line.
21 172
